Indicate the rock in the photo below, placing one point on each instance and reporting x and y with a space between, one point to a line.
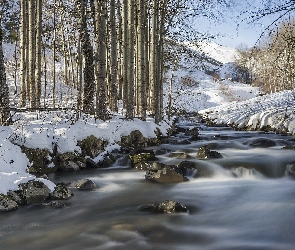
61 192
84 184
7 204
180 155
205 153
15 195
151 166
40 159
195 138
143 166
162 151
34 191
289 147
139 156
195 170
222 137
69 161
89 163
167 206
92 146
291 170
181 142
57 204
164 176
192 132
261 143
124 161
68 166
137 140
107 161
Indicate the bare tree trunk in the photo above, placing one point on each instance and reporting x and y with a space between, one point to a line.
32 52
38 52
101 25
141 80
125 53
153 55
120 50
23 52
54 56
130 76
114 58
87 50
80 75
4 91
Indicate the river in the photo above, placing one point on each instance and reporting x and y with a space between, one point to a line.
237 207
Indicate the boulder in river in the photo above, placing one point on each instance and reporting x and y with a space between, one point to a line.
15 195
291 170
68 166
167 206
166 175
92 146
194 169
205 153
261 143
57 204
289 147
83 184
180 155
7 204
61 192
181 142
142 155
192 132
34 191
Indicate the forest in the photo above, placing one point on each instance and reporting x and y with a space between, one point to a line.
113 54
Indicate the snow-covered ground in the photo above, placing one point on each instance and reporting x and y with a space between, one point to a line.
193 90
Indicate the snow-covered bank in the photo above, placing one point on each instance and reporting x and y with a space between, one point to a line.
60 131
274 111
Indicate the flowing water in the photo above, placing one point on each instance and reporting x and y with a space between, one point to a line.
248 203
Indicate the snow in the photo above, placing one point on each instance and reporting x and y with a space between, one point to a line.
57 129
274 110
225 102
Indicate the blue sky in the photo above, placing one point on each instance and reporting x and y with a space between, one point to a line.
234 30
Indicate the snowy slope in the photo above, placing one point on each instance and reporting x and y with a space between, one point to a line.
194 90
275 110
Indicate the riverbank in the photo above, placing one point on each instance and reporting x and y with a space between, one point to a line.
36 143
273 112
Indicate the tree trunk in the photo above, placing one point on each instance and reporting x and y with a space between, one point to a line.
32 52
130 67
4 90
23 52
38 52
114 58
101 57
141 79
87 50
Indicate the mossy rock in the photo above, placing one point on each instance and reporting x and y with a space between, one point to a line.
108 160
134 140
142 157
92 146
69 161
205 153
40 159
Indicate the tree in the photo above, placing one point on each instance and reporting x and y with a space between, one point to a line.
87 50
4 91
